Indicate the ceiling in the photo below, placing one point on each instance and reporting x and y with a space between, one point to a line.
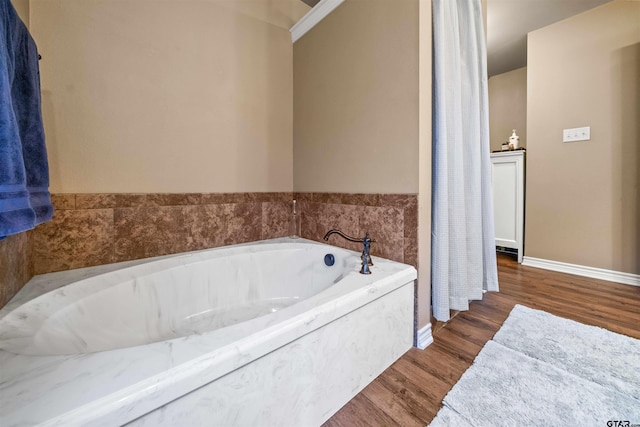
509 21
311 2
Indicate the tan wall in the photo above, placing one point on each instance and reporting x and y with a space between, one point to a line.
164 96
508 107
582 203
22 7
356 100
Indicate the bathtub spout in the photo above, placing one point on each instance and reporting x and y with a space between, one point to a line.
366 241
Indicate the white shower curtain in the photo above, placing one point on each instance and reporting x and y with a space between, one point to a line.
463 262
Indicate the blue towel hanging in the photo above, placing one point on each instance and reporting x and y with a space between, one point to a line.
24 171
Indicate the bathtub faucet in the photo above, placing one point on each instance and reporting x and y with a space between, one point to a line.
366 258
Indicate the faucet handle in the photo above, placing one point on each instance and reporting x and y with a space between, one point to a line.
367 244
370 260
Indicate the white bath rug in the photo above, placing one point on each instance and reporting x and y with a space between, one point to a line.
593 353
542 370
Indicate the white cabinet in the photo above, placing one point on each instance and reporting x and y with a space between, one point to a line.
507 182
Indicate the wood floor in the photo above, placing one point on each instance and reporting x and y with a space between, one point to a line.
410 392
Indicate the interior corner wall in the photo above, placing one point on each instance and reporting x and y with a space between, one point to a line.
356 100
508 107
362 119
582 198
164 97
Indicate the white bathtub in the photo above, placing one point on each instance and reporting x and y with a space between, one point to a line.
258 334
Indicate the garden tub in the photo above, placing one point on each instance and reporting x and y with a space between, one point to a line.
276 332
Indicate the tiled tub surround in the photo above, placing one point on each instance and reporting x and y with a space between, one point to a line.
390 219
288 367
96 229
16 267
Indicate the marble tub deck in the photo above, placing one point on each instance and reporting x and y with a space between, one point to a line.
117 386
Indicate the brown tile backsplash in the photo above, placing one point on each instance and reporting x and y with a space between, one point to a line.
15 265
131 200
63 201
276 217
95 201
174 199
94 229
152 231
411 251
390 219
74 238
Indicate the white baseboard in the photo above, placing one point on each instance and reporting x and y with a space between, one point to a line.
581 270
424 338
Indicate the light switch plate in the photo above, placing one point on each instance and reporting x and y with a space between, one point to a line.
576 134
